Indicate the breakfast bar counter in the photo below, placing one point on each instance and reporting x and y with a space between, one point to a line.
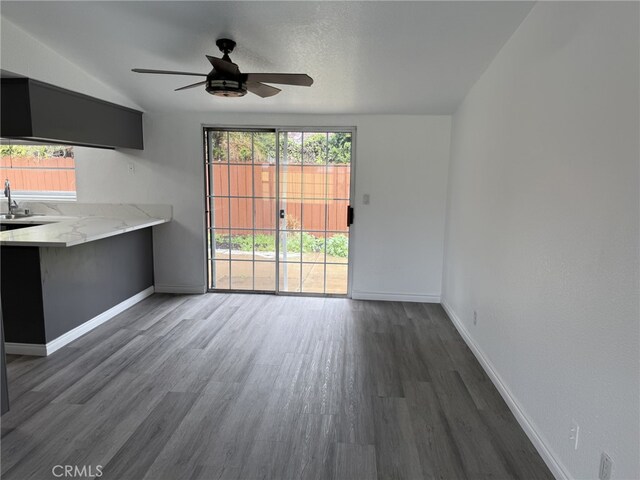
73 224
69 267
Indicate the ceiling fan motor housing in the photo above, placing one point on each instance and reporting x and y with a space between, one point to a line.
226 88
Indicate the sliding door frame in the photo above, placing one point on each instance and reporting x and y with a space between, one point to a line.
277 130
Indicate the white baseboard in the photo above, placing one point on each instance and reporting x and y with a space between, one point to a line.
529 427
188 289
395 297
66 338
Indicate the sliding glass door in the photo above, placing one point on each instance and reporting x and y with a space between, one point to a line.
277 205
314 191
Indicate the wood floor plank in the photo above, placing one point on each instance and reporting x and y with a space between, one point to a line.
396 452
471 436
111 418
80 366
384 359
439 454
139 452
94 380
237 432
515 449
105 426
23 443
237 386
355 461
354 421
26 375
199 428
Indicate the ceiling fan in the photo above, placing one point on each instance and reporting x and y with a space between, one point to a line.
226 80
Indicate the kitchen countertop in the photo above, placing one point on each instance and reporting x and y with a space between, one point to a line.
69 224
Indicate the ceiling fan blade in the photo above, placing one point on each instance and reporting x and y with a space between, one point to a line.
262 90
300 79
223 66
191 86
167 72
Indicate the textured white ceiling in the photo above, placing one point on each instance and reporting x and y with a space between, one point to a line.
365 57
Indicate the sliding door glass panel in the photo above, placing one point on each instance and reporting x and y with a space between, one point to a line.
220 172
241 208
264 213
265 273
313 277
289 277
241 275
336 278
313 214
315 170
221 242
241 213
221 274
312 247
276 210
241 147
337 247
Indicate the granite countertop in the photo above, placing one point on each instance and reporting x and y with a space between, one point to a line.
69 224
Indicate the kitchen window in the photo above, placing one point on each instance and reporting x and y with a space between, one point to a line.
39 172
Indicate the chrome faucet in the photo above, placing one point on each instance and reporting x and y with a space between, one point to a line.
7 193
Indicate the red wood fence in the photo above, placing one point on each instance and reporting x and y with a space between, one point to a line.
53 174
303 190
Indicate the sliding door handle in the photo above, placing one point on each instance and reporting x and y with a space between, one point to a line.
349 215
282 214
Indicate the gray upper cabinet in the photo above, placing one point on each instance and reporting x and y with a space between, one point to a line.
37 111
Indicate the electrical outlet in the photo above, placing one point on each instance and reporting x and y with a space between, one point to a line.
574 434
366 199
475 317
606 465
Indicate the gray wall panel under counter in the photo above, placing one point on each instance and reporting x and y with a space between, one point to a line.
81 282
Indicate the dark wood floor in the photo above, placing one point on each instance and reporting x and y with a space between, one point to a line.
255 386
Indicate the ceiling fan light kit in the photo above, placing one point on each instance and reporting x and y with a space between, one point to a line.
226 88
226 80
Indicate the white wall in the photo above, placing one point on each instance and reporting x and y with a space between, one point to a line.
23 54
402 163
543 226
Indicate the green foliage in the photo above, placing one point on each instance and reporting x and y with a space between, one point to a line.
340 148
338 246
309 243
40 151
243 242
314 147
265 243
240 145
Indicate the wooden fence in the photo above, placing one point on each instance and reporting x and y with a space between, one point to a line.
304 191
52 174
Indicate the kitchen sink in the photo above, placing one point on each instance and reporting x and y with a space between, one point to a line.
7 216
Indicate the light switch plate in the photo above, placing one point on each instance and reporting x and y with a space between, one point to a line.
574 434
